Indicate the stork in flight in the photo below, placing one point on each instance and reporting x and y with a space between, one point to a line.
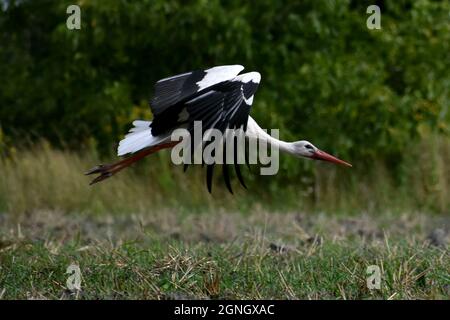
220 98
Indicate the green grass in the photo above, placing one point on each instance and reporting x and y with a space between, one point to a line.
257 256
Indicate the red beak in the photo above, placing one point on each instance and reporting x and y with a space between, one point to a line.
322 155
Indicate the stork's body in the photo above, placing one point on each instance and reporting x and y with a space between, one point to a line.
218 97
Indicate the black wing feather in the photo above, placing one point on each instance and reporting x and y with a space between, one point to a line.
209 176
221 105
170 91
237 168
226 175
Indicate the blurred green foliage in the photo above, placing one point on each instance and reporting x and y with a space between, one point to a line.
327 78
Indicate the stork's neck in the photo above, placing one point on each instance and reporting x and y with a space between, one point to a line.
254 131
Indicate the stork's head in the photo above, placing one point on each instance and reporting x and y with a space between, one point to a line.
306 149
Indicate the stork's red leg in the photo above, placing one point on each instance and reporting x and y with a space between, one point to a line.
108 170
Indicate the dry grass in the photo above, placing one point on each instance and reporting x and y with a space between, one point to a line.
421 182
45 178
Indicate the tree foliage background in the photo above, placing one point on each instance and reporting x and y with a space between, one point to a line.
326 77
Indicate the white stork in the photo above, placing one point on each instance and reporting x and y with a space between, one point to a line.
220 98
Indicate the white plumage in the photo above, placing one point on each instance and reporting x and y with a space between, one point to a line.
138 138
218 74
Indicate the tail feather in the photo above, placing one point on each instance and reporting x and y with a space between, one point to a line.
138 138
140 142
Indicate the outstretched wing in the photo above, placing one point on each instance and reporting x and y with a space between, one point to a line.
218 102
224 106
171 90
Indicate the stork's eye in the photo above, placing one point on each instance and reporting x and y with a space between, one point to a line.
309 147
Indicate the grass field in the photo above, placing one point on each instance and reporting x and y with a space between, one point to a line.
224 255
132 238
